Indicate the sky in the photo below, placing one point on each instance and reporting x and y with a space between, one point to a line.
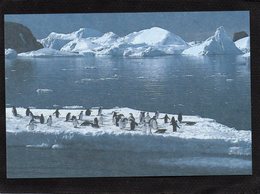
189 25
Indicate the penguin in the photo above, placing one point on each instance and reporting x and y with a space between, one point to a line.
157 114
14 111
42 119
166 118
131 117
180 117
27 112
122 122
75 122
81 115
56 113
88 112
132 124
68 116
49 121
174 124
31 124
95 124
153 123
114 117
141 117
147 118
99 111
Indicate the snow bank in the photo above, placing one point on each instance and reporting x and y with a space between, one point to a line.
10 54
206 136
243 44
47 52
219 44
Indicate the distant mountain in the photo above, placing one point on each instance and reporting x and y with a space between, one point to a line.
219 44
19 38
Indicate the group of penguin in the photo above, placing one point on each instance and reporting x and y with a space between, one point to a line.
118 119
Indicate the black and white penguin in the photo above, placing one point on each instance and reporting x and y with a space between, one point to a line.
166 118
114 117
132 124
88 112
180 117
147 118
81 115
153 123
157 114
49 121
75 122
131 116
141 117
95 124
122 122
99 111
14 111
42 119
31 124
27 112
174 124
56 113
68 116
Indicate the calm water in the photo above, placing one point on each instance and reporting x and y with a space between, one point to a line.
215 87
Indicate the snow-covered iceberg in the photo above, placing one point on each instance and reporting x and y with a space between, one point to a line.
149 42
203 136
58 40
219 44
10 54
243 44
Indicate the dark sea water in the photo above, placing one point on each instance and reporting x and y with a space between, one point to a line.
214 87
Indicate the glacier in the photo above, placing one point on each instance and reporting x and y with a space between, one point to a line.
218 44
205 137
10 53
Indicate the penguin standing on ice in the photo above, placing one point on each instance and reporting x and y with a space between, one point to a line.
14 111
56 113
75 122
95 124
114 117
131 117
147 118
68 116
81 115
49 121
166 118
180 117
42 119
152 124
122 122
157 114
132 124
31 124
99 111
141 117
27 112
174 124
88 112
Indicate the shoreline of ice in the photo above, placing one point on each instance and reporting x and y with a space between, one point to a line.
206 136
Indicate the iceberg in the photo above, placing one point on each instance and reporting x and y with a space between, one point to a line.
204 136
243 44
219 44
58 40
10 53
